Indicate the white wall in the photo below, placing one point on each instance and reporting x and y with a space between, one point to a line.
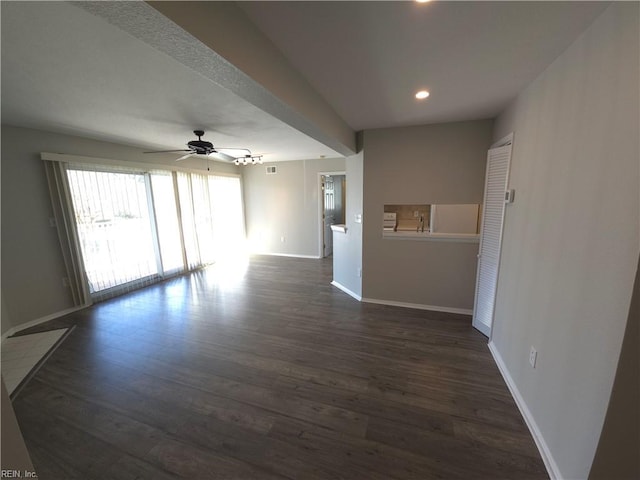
441 163
347 248
286 205
571 238
32 265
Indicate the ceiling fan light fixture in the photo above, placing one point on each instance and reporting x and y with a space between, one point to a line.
202 147
248 160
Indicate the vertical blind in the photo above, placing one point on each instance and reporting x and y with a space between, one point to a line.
136 228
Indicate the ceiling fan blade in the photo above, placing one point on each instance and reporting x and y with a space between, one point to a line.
222 156
234 152
185 156
204 148
167 151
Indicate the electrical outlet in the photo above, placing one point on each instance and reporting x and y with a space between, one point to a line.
282 239
359 272
533 356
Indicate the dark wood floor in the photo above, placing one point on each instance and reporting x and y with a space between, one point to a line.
274 374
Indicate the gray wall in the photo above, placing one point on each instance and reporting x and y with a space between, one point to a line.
5 321
32 266
571 238
287 205
347 248
617 452
442 163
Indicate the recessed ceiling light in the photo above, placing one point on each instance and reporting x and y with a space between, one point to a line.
423 1
422 94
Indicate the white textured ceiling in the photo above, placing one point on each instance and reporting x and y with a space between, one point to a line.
67 70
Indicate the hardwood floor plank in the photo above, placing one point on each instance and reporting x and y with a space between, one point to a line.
133 468
167 416
189 461
103 423
361 457
73 448
440 397
505 439
367 404
50 465
451 449
279 375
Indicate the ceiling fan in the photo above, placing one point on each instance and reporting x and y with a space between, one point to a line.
202 147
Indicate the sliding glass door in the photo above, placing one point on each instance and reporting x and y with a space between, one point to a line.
114 226
167 223
227 216
138 227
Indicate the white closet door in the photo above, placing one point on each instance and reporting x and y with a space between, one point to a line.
497 176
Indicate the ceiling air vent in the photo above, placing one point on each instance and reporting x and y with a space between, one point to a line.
271 170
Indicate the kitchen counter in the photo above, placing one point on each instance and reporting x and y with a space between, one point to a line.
427 236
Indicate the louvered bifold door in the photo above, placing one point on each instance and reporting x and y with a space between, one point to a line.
491 237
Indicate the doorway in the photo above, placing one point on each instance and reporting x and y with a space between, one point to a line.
332 208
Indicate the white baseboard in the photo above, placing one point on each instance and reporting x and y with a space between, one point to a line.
292 255
543 448
419 306
38 321
346 290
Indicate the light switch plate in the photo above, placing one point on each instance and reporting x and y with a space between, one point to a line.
509 195
533 357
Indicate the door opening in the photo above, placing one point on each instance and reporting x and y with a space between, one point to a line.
332 208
